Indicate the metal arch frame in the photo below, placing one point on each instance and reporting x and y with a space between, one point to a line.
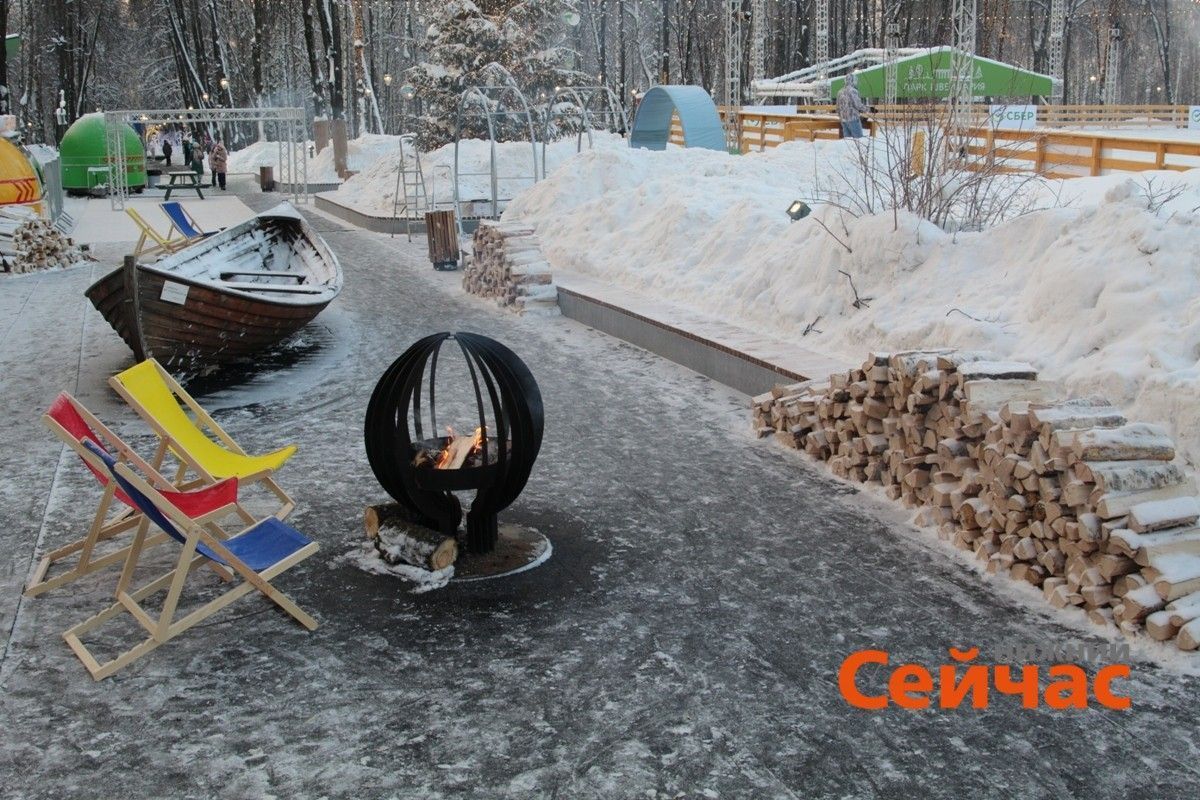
615 114
287 120
483 97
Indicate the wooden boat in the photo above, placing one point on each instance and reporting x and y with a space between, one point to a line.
225 298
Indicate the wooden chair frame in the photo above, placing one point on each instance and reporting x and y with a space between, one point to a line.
187 461
102 528
164 627
162 245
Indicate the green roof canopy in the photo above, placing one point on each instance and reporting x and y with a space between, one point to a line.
928 74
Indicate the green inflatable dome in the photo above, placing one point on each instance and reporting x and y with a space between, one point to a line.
82 149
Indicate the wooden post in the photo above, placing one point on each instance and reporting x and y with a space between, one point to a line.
339 147
320 134
1097 150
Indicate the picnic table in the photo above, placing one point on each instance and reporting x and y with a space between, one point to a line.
184 180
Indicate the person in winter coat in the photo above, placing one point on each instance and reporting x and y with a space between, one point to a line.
850 108
187 149
218 160
166 149
196 163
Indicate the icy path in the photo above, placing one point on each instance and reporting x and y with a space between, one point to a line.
683 640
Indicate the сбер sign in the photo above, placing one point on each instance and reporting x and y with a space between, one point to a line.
1014 118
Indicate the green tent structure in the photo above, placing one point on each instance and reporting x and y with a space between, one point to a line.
12 45
928 75
84 155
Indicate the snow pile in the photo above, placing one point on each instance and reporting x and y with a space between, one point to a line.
1100 287
361 153
372 191
259 154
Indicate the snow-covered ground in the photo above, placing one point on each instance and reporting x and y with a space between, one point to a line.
361 153
1095 284
373 190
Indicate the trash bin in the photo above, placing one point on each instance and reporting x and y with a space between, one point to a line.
442 235
266 179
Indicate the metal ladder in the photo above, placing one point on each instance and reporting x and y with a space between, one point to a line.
410 184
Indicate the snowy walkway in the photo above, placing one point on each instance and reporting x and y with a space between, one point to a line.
682 642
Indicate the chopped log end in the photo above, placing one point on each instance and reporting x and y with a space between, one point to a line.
400 540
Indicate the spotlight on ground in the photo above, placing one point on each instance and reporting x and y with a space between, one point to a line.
798 210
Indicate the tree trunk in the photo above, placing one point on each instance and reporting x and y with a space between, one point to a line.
315 75
331 33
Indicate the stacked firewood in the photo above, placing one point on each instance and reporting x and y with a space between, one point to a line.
507 264
1063 493
29 243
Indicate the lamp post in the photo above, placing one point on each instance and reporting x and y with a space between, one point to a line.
407 93
387 96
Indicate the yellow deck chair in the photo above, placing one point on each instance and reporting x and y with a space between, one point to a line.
155 396
163 245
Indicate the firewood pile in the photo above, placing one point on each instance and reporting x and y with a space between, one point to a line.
1063 493
29 243
507 264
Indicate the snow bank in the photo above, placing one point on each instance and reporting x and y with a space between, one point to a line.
372 191
258 154
361 153
1095 288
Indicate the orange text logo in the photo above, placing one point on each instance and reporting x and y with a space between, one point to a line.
949 685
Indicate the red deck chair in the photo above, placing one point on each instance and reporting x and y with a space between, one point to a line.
72 423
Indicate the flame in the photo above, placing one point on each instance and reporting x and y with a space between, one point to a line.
444 458
447 455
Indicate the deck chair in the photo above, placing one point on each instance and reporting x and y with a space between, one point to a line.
256 555
154 395
183 222
71 422
162 245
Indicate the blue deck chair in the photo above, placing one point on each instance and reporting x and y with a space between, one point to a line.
183 222
256 555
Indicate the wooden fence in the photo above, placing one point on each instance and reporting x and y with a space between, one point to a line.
1050 152
1072 155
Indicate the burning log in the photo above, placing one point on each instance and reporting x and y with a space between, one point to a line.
1065 494
507 264
457 452
399 540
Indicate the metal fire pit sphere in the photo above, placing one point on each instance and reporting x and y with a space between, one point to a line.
399 445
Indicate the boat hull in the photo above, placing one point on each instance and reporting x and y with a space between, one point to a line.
205 327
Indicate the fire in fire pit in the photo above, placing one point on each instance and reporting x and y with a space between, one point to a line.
456 452
422 473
